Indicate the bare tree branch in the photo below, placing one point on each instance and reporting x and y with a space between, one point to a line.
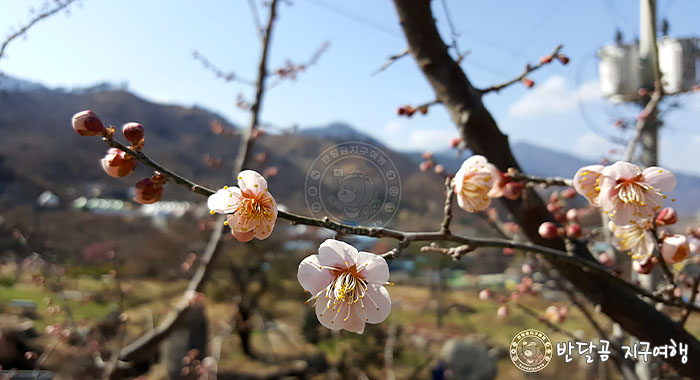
47 12
528 70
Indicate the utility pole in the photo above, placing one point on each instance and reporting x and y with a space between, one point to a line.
650 74
649 136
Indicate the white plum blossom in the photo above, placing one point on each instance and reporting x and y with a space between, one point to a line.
625 192
635 238
473 183
251 209
346 286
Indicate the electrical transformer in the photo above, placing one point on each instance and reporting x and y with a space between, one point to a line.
620 70
678 59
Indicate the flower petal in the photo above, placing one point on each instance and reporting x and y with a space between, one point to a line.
251 182
311 277
355 322
661 179
224 201
373 268
586 181
243 237
377 303
336 253
476 161
621 170
330 317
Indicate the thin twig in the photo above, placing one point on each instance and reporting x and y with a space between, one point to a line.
691 301
392 59
528 69
230 76
544 181
46 13
642 119
449 195
256 20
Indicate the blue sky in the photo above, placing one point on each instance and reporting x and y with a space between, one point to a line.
149 44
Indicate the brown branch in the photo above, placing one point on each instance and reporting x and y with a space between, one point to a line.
643 118
392 59
482 135
449 195
246 148
42 15
528 69
180 180
544 181
256 20
219 73
691 301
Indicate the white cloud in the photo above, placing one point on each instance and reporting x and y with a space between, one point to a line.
554 95
430 139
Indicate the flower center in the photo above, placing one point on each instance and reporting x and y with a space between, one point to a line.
632 190
255 208
347 288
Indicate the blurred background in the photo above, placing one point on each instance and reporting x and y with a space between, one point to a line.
76 251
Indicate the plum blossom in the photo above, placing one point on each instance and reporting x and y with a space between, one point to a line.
587 183
346 286
86 123
675 248
624 191
149 190
635 238
473 182
251 209
117 163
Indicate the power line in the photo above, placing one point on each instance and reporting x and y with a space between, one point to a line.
345 13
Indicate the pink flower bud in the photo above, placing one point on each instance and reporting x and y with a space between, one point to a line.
86 123
552 314
563 313
117 163
666 217
553 207
529 83
485 294
569 193
605 259
455 142
526 268
546 59
425 166
574 231
512 190
439 169
572 215
642 267
508 251
548 230
502 312
148 191
675 248
563 59
133 132
427 155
